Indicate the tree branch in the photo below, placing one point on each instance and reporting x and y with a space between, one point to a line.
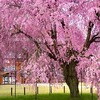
15 4
51 54
63 23
87 42
19 31
95 38
97 15
53 32
54 38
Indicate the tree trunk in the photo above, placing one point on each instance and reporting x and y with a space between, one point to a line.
72 83
70 76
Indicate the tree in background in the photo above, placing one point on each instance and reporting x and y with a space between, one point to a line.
63 37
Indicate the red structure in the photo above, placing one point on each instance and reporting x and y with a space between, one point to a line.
11 71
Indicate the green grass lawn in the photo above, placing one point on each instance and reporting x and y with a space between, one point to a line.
49 97
43 93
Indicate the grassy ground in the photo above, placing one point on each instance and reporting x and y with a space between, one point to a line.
50 97
43 92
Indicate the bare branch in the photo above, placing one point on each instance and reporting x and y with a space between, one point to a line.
28 36
87 42
37 45
62 23
53 32
95 38
15 4
97 15
19 31
51 54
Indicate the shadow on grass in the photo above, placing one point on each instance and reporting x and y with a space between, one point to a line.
50 97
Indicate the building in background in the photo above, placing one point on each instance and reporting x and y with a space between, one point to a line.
11 71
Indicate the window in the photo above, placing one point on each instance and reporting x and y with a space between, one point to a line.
8 80
5 80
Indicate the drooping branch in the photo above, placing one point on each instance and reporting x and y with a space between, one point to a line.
51 54
19 31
